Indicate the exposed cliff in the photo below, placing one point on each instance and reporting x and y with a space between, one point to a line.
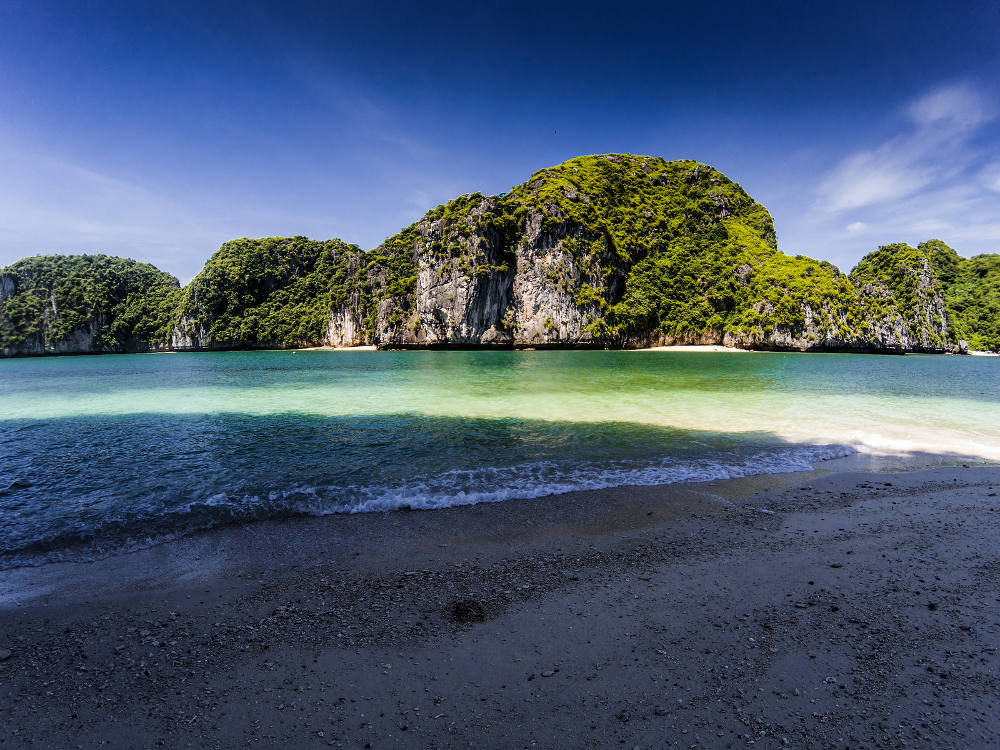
75 304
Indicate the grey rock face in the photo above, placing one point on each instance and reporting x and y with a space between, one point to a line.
486 295
344 328
931 319
536 297
8 285
463 302
188 334
82 340
545 293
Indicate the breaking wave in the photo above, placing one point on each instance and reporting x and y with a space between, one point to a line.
145 524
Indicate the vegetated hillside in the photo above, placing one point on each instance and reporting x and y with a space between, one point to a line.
971 293
944 297
68 304
907 274
601 251
275 293
614 250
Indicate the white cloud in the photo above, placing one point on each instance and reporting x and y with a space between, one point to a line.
937 176
869 177
959 105
990 177
929 152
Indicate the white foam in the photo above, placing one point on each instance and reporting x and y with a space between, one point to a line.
887 445
533 480
444 490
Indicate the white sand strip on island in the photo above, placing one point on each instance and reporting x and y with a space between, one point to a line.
983 354
693 348
335 349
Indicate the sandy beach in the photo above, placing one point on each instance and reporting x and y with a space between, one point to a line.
844 609
693 348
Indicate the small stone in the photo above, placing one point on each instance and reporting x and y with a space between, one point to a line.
5 654
547 673
468 610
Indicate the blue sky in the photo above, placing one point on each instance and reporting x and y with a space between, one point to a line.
160 130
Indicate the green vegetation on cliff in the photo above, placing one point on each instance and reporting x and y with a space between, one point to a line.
899 267
609 250
269 292
666 236
910 275
111 304
971 293
662 248
969 287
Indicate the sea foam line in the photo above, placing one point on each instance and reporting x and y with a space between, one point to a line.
447 489
529 481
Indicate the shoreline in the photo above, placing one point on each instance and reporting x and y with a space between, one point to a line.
694 348
489 348
84 554
718 611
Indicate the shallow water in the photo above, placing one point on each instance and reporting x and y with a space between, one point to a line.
97 453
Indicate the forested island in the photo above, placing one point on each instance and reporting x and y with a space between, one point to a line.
611 251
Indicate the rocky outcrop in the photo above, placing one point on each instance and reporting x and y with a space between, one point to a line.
929 322
272 293
188 334
485 292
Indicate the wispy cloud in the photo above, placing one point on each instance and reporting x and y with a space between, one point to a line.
53 204
417 204
933 148
938 175
48 204
990 177
959 106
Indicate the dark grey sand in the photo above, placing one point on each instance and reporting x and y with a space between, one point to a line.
851 609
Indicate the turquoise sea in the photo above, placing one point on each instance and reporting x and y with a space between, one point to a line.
105 452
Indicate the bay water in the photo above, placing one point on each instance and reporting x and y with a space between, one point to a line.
101 453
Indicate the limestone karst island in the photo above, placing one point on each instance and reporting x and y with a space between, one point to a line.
612 251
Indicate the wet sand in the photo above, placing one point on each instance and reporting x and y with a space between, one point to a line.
845 609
